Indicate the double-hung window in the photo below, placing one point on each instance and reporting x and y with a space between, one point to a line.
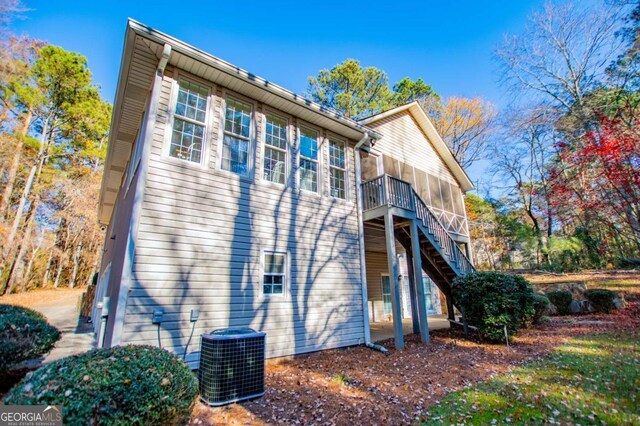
275 150
274 277
309 160
237 133
337 169
189 122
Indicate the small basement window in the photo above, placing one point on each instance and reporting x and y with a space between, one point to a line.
274 277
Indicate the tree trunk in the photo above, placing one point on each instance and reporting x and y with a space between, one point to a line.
35 168
47 271
13 169
27 273
76 264
23 201
17 274
63 258
15 166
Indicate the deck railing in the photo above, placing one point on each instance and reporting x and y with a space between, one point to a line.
391 191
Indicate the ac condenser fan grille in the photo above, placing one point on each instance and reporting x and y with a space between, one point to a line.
231 366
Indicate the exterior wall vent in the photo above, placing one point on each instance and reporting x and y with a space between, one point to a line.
231 365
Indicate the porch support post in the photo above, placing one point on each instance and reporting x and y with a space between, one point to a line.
449 299
414 295
396 307
419 284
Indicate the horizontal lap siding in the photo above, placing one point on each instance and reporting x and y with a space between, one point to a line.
377 264
200 242
404 141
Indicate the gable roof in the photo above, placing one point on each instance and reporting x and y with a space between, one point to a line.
430 131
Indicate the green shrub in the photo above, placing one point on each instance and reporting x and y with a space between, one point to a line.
491 300
561 299
601 300
124 385
24 334
541 305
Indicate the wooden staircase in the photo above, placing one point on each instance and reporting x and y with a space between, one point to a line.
441 257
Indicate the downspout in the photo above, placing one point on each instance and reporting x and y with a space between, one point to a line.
146 138
363 267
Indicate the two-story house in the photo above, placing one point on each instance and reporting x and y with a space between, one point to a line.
229 201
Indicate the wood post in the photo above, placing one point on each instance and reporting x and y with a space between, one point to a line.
450 312
415 319
419 284
396 306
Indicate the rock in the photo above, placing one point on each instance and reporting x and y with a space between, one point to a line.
576 289
619 302
633 262
575 307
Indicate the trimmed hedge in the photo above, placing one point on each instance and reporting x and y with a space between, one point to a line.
601 300
541 305
561 299
492 300
124 385
24 334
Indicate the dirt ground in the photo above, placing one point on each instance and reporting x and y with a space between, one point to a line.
361 386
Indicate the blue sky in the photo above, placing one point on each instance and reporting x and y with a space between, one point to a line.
447 43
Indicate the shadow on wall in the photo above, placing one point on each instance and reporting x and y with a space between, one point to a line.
181 265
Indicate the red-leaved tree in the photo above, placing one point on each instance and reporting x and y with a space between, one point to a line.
598 180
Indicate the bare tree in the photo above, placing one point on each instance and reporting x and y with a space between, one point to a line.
465 124
561 55
521 157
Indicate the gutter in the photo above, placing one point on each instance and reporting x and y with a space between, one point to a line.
363 267
239 73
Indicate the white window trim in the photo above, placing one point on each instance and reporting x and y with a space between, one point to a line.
285 281
287 150
331 137
382 275
321 139
171 113
252 135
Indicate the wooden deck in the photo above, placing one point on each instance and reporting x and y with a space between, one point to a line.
393 204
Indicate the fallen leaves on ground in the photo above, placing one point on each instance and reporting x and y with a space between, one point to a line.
45 297
396 388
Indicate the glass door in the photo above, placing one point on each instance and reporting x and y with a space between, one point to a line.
426 283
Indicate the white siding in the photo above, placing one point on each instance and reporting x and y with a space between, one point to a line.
403 140
376 266
200 241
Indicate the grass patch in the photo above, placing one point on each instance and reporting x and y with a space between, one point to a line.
592 379
630 286
342 379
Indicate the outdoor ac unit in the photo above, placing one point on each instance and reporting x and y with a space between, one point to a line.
231 365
